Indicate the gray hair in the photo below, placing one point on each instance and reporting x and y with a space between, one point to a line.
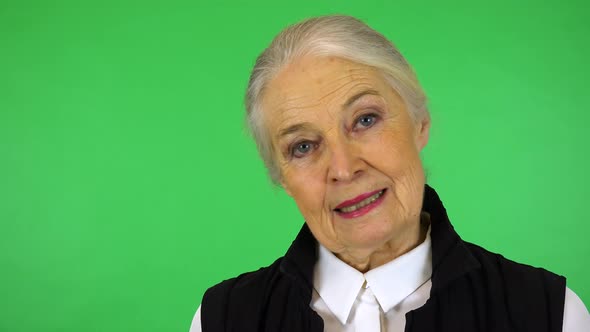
341 36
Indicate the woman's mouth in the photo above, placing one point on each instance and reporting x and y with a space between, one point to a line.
360 205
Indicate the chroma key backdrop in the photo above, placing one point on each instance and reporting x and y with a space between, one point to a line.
128 185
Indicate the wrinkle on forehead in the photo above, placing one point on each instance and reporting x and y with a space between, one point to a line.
288 103
304 73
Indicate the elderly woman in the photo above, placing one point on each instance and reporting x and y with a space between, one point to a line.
340 120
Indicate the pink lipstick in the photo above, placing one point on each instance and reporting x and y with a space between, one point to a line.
360 205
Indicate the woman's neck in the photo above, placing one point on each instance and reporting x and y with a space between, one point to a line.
392 249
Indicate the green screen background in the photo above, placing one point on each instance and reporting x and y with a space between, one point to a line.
128 185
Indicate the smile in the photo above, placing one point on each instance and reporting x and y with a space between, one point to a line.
360 205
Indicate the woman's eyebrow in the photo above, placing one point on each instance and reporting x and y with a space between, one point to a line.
294 128
357 96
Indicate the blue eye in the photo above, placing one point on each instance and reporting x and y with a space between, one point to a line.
301 149
367 120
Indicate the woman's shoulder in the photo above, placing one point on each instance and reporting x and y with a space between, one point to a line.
246 282
492 288
244 297
517 282
494 262
248 286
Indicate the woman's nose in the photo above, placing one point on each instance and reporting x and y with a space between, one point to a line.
345 163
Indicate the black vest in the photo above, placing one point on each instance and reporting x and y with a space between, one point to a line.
472 290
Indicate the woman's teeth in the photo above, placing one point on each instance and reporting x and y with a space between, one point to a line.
362 203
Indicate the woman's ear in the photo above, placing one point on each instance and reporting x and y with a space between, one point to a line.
422 132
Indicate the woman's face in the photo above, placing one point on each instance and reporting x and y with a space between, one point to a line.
348 153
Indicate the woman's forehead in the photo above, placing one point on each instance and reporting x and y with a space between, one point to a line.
319 82
312 76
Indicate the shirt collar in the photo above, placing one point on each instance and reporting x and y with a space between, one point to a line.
338 284
393 282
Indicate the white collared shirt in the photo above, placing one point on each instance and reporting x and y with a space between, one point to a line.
399 286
